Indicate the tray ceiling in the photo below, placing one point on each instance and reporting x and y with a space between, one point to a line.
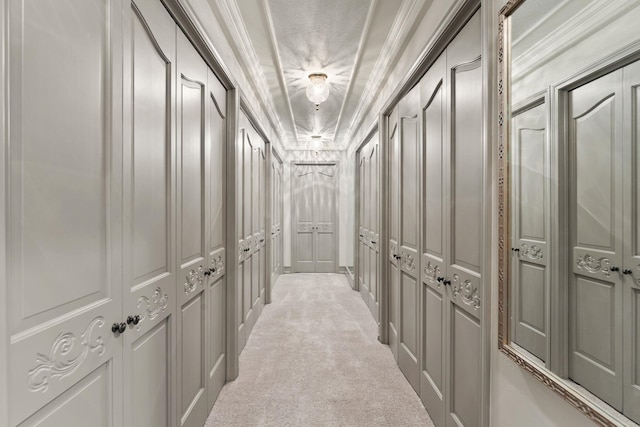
353 42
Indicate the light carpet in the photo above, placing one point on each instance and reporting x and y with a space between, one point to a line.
313 359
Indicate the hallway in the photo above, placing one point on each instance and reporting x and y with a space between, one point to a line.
313 358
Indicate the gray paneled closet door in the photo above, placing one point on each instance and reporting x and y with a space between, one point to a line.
149 298
252 270
596 226
368 225
433 107
465 231
451 233
193 233
64 219
394 225
409 166
216 285
530 224
276 218
631 249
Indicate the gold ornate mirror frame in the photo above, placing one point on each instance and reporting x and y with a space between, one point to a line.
548 378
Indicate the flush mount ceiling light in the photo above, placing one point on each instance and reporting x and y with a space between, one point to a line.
318 89
315 142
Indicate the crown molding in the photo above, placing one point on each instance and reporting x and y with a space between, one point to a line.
355 69
582 25
249 61
409 12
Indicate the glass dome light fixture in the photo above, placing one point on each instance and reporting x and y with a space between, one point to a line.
316 142
318 88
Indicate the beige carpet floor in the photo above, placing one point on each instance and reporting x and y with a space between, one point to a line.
313 359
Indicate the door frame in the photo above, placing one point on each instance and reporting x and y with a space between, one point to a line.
336 210
455 19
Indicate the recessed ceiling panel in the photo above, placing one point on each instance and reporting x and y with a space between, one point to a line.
317 36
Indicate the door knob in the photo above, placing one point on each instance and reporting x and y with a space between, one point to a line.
614 268
207 272
133 319
626 271
118 327
212 270
440 279
446 282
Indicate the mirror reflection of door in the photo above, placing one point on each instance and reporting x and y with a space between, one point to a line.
530 228
315 218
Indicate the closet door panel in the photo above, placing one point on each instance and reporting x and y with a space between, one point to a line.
151 398
464 369
255 219
303 216
192 229
247 210
217 283
263 221
434 158
631 297
324 216
409 236
149 200
64 212
464 233
362 285
530 222
394 235
374 229
595 292
239 288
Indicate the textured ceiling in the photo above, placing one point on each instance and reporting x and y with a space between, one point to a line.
345 39
313 36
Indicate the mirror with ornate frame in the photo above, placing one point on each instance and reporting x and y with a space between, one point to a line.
569 200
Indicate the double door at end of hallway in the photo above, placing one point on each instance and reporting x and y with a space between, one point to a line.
315 218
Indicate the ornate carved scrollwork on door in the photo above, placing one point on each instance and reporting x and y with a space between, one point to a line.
532 252
153 305
408 262
195 278
431 271
217 266
58 363
589 263
466 290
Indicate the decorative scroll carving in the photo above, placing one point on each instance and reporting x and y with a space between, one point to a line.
431 272
592 265
325 228
217 265
195 278
408 262
305 228
59 364
531 252
152 306
466 290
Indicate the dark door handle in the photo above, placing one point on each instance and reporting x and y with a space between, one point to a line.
133 319
207 272
118 327
614 268
212 270
446 282
626 271
440 279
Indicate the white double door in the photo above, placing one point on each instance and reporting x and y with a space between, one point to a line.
315 218
251 156
436 238
116 249
368 225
